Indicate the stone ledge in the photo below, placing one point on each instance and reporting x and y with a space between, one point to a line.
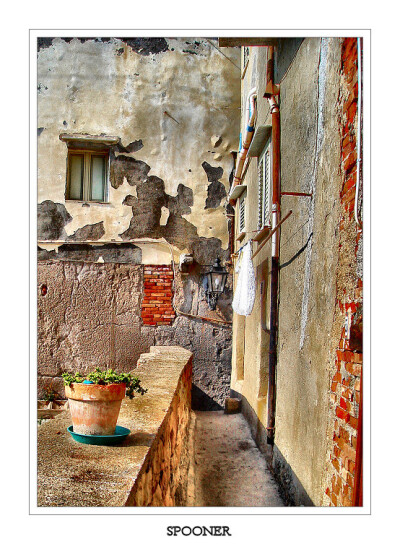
144 470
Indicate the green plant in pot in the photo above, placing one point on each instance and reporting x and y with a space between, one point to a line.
95 400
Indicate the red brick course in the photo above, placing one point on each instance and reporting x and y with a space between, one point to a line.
157 307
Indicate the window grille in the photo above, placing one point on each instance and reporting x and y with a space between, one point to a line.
264 187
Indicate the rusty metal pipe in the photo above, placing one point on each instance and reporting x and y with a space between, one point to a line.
248 136
273 340
276 171
276 211
270 65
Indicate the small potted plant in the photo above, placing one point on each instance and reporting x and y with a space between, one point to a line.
95 400
50 405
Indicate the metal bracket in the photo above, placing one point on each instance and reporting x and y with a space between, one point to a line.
272 89
288 193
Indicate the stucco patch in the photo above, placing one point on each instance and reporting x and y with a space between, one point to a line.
147 209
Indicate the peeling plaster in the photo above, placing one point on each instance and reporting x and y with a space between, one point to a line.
216 190
200 91
52 220
89 232
109 253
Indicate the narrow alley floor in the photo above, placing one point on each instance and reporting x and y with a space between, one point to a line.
227 467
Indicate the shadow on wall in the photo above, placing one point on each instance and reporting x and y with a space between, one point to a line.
291 489
203 402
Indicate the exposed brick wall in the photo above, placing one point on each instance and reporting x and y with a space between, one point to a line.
345 400
157 306
349 104
346 382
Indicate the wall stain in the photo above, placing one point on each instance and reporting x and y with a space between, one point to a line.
51 221
216 190
181 204
130 148
89 232
43 43
142 46
146 46
127 167
109 252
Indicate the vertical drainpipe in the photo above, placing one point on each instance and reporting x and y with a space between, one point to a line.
270 92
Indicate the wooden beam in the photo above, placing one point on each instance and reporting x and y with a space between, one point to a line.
238 41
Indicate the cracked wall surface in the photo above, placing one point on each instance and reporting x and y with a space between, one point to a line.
89 314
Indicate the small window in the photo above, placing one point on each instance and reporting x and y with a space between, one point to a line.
87 175
264 187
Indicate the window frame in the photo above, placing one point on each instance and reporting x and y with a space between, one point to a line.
87 174
264 219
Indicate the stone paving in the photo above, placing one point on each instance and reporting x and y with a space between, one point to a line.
227 467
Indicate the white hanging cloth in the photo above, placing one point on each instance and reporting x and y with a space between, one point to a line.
245 293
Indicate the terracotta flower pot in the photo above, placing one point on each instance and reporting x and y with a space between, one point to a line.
95 408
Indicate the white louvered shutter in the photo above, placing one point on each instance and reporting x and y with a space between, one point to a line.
264 188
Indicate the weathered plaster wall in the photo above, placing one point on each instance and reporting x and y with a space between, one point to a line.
174 105
309 254
310 162
89 314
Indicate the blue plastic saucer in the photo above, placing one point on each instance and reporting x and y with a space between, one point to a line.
101 440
